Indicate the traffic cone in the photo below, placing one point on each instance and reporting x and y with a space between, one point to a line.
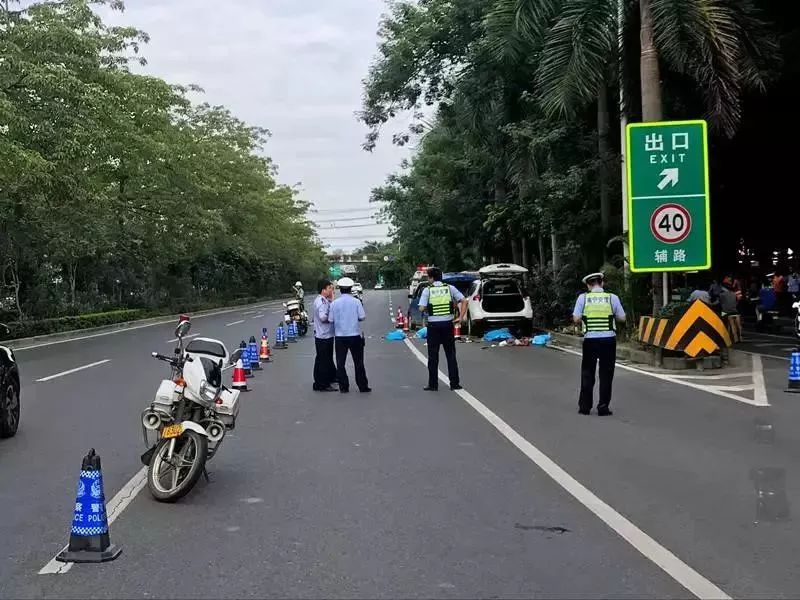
280 337
239 378
292 332
89 540
400 321
405 324
248 371
457 330
264 355
252 346
794 372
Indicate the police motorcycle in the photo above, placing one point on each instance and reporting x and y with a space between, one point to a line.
796 309
184 426
296 312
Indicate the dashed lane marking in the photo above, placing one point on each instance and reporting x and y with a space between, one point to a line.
75 370
234 323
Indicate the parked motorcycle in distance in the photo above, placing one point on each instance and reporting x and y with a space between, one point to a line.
190 415
295 312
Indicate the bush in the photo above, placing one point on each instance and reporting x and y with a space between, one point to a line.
25 329
673 310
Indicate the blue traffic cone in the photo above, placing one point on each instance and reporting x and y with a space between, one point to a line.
89 540
280 337
248 371
292 332
794 372
252 346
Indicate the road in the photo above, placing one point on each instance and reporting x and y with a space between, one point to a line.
502 490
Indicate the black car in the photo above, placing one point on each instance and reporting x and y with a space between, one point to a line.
9 392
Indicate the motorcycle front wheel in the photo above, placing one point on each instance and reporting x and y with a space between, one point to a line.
302 328
170 479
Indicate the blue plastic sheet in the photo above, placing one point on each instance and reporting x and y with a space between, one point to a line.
541 340
422 333
395 336
498 335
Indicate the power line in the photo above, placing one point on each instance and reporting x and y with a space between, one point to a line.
350 226
343 220
343 210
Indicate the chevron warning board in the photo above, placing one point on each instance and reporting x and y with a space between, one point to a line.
699 332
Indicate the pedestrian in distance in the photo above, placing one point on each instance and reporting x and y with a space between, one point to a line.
597 311
444 306
324 368
346 313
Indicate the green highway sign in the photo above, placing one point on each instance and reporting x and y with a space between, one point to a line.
668 210
335 271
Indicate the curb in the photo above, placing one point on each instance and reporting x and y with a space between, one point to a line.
624 352
64 336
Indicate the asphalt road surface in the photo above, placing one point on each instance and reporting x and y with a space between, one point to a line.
501 491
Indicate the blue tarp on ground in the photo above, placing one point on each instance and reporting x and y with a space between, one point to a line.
498 335
541 340
422 333
395 336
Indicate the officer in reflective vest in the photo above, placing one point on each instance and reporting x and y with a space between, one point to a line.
597 311
439 301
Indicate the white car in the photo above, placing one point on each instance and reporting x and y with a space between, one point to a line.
499 299
378 286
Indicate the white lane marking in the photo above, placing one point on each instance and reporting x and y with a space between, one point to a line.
234 323
712 377
75 370
682 573
786 358
259 316
186 337
115 331
759 386
704 388
113 509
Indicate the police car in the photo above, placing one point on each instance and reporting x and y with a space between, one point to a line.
499 298
9 391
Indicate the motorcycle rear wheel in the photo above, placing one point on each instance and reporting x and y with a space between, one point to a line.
302 329
170 480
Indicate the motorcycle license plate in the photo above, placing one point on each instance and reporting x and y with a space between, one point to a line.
172 431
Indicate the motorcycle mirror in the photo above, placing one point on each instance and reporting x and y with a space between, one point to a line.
183 328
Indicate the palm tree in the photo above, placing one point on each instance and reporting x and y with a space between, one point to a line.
722 45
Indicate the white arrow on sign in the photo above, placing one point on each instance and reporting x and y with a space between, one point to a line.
670 176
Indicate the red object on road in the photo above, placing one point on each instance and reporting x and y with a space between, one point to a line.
457 330
264 354
239 378
401 319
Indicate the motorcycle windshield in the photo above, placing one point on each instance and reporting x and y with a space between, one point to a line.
207 347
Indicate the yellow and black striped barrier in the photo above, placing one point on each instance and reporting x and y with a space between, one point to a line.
699 332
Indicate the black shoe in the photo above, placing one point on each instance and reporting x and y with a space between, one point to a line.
456 387
328 389
584 411
428 388
365 390
604 412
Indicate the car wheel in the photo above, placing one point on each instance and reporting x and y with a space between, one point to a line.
473 327
9 408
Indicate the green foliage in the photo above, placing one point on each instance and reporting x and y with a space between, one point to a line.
117 191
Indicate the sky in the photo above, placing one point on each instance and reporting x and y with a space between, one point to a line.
293 66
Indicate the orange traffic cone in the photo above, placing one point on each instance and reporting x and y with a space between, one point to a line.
405 325
239 378
264 355
400 321
457 330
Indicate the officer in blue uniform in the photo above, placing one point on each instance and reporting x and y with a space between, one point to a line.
597 311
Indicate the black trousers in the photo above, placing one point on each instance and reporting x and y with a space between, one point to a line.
604 351
441 334
324 369
355 345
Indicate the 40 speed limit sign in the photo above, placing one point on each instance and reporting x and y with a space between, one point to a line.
668 205
671 223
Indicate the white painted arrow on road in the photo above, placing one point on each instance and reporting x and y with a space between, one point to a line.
670 176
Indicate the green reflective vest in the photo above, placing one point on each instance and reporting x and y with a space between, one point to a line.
597 312
440 300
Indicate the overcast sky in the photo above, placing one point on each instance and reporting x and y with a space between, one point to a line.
292 66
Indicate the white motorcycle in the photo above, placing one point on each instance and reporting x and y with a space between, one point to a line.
189 416
796 308
295 312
